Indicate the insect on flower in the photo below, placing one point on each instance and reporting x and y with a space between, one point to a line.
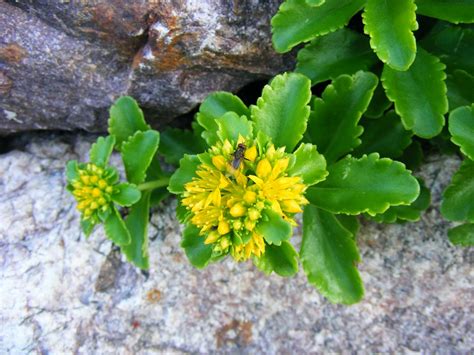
238 155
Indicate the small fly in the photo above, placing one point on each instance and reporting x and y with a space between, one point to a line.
238 155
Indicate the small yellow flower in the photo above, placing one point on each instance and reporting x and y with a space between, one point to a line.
227 204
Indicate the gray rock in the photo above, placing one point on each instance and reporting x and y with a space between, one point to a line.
62 294
62 64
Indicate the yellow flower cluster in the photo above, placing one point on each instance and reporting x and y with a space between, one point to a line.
92 190
228 197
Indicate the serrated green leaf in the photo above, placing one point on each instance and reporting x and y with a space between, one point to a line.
283 260
137 224
341 52
282 111
460 89
197 252
308 164
274 228
87 227
175 142
184 174
370 184
116 230
126 118
137 154
390 25
214 106
412 156
231 125
351 223
458 198
462 235
333 124
379 103
126 194
315 2
459 11
72 172
454 45
297 22
385 136
419 94
329 257
461 127
101 150
411 212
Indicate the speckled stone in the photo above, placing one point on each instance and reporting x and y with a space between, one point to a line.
62 294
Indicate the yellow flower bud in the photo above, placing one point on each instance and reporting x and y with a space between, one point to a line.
237 225
250 197
212 237
224 243
223 227
219 162
109 189
94 179
238 210
96 192
251 153
249 225
253 214
85 179
290 206
102 184
94 205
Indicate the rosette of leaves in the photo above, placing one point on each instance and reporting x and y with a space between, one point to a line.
417 78
95 184
353 180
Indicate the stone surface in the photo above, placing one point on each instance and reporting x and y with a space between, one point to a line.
63 63
62 294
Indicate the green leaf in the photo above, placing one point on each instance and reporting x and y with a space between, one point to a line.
411 212
461 127
308 164
101 150
126 194
341 52
273 228
72 172
458 198
351 223
126 118
368 184
137 154
460 92
329 257
116 230
184 174
175 142
232 125
419 94
297 22
390 25
283 259
197 252
282 111
214 106
412 156
385 136
315 2
462 235
459 11
333 124
379 103
87 227
454 45
137 224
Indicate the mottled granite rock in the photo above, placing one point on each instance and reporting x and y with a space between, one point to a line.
62 294
62 63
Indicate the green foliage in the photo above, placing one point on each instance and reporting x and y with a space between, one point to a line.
460 92
198 253
459 11
458 198
462 235
283 260
175 143
126 195
101 150
184 174
420 103
116 229
329 257
309 164
461 127
274 228
340 52
339 111
369 184
230 126
282 110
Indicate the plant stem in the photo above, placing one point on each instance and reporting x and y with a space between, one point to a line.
154 184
